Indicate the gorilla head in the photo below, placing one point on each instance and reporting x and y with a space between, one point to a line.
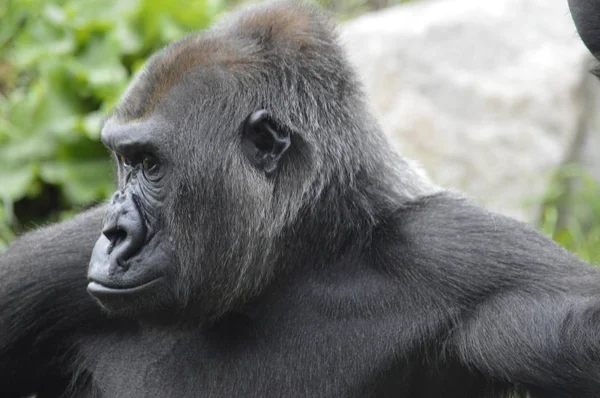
242 153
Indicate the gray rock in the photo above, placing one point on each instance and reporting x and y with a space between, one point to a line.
489 96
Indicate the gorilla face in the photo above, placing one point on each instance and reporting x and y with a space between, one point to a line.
186 224
130 262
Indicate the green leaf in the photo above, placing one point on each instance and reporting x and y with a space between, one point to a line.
75 176
16 183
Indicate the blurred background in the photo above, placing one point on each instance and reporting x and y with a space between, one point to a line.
493 99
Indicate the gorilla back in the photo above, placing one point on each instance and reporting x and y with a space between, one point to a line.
265 242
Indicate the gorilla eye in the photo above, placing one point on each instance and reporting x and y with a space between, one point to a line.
149 163
129 161
126 161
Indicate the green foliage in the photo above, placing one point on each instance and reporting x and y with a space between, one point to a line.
63 66
577 225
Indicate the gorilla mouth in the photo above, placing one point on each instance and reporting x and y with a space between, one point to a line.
103 291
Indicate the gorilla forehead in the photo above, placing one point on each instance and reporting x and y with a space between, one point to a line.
262 46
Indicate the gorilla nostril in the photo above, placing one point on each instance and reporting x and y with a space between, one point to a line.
115 236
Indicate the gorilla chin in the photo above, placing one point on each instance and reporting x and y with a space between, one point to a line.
124 300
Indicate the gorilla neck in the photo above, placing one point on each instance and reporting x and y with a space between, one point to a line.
341 222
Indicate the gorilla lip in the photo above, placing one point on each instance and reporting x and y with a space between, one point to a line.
118 299
97 289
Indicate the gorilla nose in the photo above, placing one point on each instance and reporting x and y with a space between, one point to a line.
124 228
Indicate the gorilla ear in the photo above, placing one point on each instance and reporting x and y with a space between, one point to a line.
263 141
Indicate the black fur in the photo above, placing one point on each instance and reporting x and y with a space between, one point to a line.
336 271
586 14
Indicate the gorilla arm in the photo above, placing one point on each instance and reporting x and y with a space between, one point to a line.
43 300
527 312
547 343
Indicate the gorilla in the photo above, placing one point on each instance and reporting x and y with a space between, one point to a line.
264 241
